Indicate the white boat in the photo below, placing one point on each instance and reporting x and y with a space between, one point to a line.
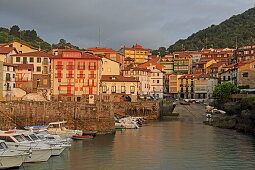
58 128
15 141
127 123
10 158
56 148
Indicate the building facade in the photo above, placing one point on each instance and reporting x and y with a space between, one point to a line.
75 75
41 71
118 88
142 75
137 52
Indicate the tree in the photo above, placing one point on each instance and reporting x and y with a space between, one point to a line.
223 91
62 41
154 52
162 51
15 30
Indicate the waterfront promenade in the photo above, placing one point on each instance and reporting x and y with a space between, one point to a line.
192 112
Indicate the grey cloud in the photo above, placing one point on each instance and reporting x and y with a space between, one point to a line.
152 23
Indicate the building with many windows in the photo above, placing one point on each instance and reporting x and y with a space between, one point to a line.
8 81
137 52
75 75
118 88
182 63
41 71
21 47
141 74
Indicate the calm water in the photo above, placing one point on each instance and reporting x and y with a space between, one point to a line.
159 145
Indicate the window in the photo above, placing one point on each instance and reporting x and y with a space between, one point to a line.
20 45
39 60
18 59
158 81
8 77
132 89
245 74
123 89
20 51
113 89
31 59
104 89
13 76
38 69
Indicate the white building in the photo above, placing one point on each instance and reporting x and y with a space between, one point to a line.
141 74
156 78
8 81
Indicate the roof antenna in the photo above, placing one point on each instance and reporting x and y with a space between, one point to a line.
99 36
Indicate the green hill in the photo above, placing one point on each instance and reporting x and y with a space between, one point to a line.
239 29
30 37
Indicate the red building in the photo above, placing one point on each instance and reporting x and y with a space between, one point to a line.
75 75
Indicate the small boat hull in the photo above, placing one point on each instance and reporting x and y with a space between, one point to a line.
56 151
41 155
12 161
82 137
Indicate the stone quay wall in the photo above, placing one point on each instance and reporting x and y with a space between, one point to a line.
97 117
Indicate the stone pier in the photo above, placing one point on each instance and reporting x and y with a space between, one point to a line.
98 116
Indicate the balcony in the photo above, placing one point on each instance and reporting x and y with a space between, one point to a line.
69 75
59 67
70 67
92 76
81 67
81 76
58 75
92 67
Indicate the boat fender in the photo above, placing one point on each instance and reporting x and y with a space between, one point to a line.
30 152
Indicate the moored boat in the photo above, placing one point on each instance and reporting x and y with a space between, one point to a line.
82 137
10 158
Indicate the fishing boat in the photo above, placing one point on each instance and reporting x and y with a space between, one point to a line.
82 137
58 128
11 158
90 133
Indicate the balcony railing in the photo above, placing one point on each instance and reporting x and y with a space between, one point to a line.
81 67
70 67
59 67
81 75
92 67
58 75
69 75
92 76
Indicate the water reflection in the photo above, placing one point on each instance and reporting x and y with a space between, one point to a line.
160 145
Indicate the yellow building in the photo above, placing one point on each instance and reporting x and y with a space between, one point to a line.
20 47
174 86
246 74
137 52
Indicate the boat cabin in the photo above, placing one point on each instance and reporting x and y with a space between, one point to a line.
3 146
57 125
12 136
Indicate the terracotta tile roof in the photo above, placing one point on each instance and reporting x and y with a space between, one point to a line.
34 54
9 64
192 76
84 55
151 62
6 50
136 69
25 66
129 59
118 78
23 43
103 50
136 48
216 65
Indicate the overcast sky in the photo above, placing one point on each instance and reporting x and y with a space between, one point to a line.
151 23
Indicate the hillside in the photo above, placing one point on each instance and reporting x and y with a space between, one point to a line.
239 29
30 37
